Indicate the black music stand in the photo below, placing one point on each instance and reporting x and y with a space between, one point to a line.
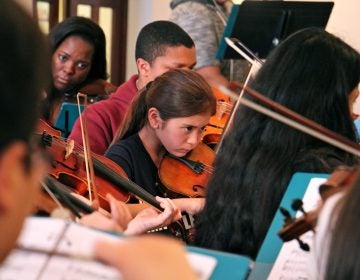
262 25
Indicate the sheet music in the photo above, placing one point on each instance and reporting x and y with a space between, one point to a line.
41 235
292 262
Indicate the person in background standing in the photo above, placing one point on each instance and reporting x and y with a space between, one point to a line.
204 21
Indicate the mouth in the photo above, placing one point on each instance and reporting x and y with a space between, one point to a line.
62 80
183 152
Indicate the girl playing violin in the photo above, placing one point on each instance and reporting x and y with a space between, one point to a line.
167 116
313 73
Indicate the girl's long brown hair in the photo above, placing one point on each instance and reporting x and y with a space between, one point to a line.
175 94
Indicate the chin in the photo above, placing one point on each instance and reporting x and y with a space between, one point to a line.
179 154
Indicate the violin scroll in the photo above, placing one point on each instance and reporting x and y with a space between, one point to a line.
341 179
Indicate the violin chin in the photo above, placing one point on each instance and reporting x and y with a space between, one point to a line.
61 213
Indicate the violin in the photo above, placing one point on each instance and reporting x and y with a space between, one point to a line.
96 90
59 196
341 179
214 129
187 176
68 166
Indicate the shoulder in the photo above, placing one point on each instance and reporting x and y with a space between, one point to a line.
322 238
322 160
123 95
191 11
128 88
125 153
126 146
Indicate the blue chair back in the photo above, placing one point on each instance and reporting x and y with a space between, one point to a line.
68 114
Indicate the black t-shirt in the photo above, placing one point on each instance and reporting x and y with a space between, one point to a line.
131 155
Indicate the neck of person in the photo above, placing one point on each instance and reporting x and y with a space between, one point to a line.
152 144
141 82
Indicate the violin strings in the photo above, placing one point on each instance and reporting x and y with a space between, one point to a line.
206 168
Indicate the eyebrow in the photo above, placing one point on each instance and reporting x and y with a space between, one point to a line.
81 60
181 65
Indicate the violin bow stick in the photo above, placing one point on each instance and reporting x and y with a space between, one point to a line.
296 121
255 63
244 51
253 69
58 191
88 159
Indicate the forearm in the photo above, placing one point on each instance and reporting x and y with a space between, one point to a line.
191 206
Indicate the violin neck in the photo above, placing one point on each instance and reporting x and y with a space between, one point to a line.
125 184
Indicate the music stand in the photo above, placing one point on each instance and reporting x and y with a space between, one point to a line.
262 25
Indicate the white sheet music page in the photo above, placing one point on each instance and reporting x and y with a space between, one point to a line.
73 245
203 265
40 236
292 262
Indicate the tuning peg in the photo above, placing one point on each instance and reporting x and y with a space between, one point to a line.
304 246
285 213
297 205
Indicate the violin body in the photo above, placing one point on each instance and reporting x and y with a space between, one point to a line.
95 90
187 176
212 132
68 166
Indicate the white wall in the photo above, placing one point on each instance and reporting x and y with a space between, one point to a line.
140 13
344 22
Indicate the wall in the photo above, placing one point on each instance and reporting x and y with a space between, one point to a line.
140 13
344 22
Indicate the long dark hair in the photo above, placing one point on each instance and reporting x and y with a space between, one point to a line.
312 73
176 93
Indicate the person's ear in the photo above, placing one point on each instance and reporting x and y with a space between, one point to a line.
143 67
154 118
11 171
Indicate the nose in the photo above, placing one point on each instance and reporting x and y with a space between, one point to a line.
194 138
69 67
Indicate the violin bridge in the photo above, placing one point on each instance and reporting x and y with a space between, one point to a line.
69 148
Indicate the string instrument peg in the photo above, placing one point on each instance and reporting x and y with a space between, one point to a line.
297 205
288 221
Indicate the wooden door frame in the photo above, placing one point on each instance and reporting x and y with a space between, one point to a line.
119 32
54 11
